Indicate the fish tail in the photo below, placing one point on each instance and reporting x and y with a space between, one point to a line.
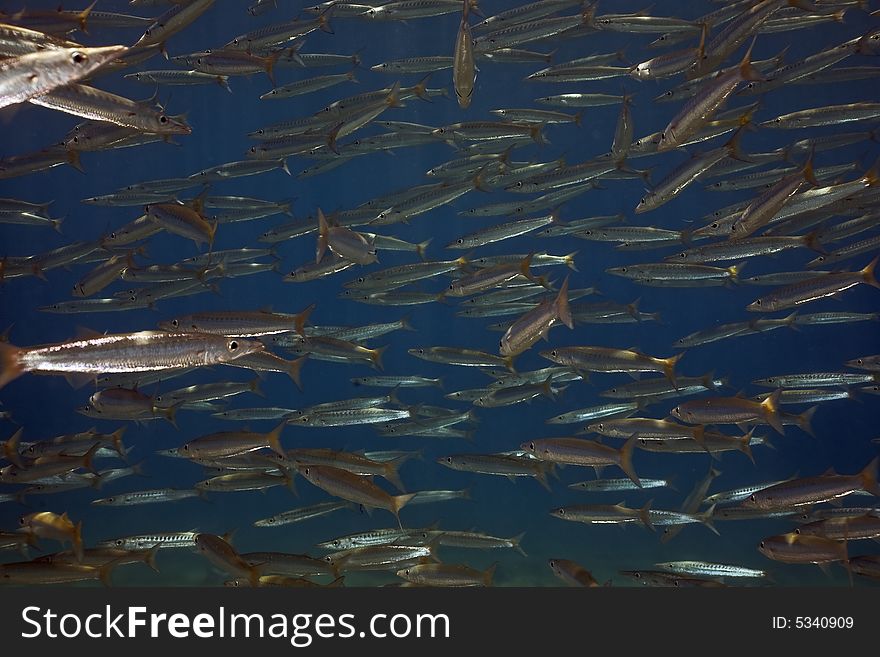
324 21
254 576
88 458
525 266
537 134
508 361
869 477
625 460
302 318
420 88
421 247
669 367
770 406
294 369
868 273
563 311
808 172
83 17
547 388
706 519
11 447
273 438
398 502
150 557
116 439
332 136
541 475
170 414
255 387
645 515
488 574
10 363
745 446
270 65
376 357
77 542
323 229
746 70
391 474
811 241
804 420
105 572
74 161
736 269
290 480
708 381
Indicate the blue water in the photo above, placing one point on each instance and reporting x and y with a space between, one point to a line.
45 406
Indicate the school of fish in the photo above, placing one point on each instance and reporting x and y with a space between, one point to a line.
514 277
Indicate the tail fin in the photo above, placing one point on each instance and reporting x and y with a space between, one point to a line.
669 367
273 439
302 318
294 367
398 502
88 458
10 365
391 474
488 574
645 515
867 276
745 445
746 70
77 542
116 439
770 406
376 357
706 519
804 420
11 447
323 228
563 312
515 543
869 477
625 460
150 557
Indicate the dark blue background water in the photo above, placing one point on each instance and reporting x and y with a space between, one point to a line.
45 406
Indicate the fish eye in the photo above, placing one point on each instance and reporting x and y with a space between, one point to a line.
307 470
163 119
758 302
562 511
752 498
761 544
859 361
460 241
175 323
233 345
449 459
118 542
111 499
78 57
554 353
